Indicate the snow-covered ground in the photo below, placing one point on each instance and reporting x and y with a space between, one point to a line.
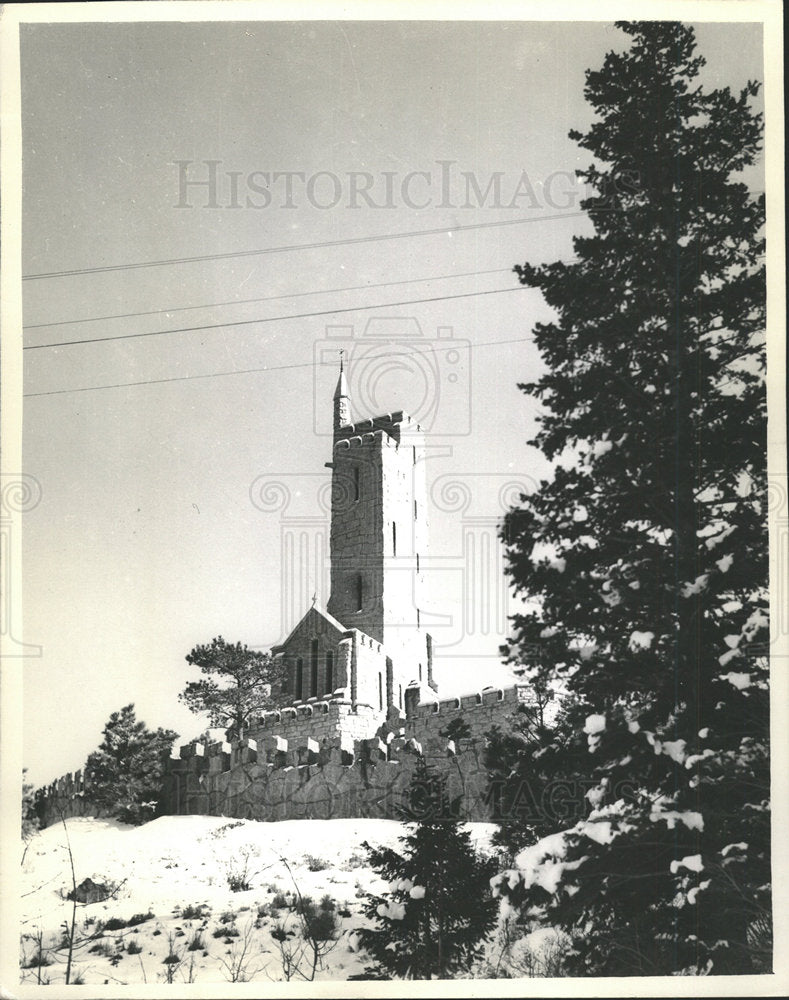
177 870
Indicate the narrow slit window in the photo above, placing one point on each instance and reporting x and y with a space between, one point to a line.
314 667
417 562
420 673
359 592
299 678
380 693
400 699
417 617
357 477
413 452
329 672
394 539
415 509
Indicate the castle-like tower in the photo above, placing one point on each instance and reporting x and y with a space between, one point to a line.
369 645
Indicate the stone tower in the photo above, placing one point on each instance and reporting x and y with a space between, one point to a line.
369 645
379 538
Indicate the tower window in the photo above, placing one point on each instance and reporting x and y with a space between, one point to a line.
420 673
400 699
380 692
415 509
359 592
299 678
357 482
413 452
417 617
314 667
394 539
329 672
417 562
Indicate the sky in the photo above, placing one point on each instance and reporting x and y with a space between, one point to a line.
228 205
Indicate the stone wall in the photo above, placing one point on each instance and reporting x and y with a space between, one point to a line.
68 796
329 760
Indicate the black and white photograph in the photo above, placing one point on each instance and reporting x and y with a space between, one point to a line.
394 500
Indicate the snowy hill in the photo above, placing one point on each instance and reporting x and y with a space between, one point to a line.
174 917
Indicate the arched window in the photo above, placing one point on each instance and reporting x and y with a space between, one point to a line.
314 667
299 679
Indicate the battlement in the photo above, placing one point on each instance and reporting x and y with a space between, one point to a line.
420 707
323 759
391 424
274 779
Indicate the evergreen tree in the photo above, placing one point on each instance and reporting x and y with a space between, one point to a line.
644 558
30 821
433 920
127 770
239 683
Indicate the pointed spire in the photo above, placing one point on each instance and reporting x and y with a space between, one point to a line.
342 401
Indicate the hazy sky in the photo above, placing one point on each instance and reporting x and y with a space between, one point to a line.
158 527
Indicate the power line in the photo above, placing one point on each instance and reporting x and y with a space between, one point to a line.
265 298
249 371
273 319
444 230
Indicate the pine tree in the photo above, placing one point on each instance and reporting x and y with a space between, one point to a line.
644 558
30 820
239 683
127 770
433 920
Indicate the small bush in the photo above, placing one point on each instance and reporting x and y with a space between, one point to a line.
156 933
39 958
171 959
228 917
278 932
327 903
305 905
191 912
262 910
238 881
320 925
196 942
316 864
102 948
343 912
219 932
139 918
133 948
279 902
115 924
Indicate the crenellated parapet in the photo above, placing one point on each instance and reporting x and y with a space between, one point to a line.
66 796
288 767
324 758
391 424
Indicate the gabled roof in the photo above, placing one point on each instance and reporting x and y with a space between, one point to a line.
322 616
